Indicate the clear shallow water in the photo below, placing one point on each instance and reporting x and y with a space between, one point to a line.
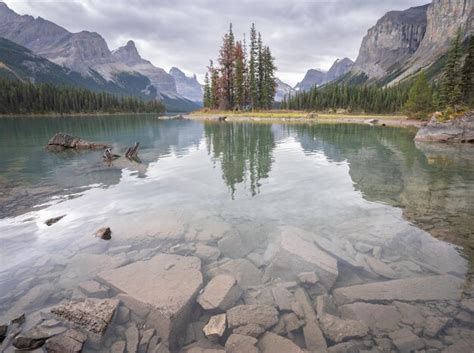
347 184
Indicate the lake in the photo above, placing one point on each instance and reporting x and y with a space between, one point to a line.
382 206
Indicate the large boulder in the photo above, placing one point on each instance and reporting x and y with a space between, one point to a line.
168 283
440 287
220 293
251 320
62 140
295 253
94 315
456 130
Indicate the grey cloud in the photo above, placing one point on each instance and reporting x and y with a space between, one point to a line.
187 33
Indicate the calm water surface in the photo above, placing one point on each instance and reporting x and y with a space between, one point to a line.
345 183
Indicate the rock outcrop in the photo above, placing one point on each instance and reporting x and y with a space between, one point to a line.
457 130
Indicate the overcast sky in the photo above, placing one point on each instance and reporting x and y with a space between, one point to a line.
302 34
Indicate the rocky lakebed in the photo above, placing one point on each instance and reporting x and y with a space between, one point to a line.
230 293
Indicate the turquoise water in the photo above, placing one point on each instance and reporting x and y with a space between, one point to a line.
198 181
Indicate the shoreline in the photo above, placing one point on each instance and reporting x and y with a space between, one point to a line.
383 120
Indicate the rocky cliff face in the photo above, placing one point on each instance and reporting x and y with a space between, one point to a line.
283 89
315 77
444 18
188 87
392 41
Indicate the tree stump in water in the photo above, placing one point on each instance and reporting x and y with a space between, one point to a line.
132 152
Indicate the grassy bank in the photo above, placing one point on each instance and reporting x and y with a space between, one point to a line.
290 115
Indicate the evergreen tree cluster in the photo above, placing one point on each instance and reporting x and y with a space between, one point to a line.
26 98
458 77
241 80
366 98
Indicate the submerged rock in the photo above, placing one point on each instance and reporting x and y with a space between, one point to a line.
168 283
312 333
272 343
49 222
93 315
379 318
241 344
440 287
63 140
457 130
251 320
339 330
406 341
220 293
104 233
70 341
216 326
294 254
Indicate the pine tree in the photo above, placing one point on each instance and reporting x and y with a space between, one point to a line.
268 84
207 92
226 61
419 98
451 92
253 67
260 71
214 86
239 81
467 85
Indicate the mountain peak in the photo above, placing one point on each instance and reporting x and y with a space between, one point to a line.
128 53
5 10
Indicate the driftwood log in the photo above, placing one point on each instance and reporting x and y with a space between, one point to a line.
109 156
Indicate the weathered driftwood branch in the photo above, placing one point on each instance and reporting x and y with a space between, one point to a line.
108 156
132 152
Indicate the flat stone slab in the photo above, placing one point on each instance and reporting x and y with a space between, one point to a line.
339 330
94 315
220 293
379 318
251 320
296 254
440 287
169 283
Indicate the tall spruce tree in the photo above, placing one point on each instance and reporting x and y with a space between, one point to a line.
226 61
253 67
214 97
239 81
451 90
467 86
207 92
